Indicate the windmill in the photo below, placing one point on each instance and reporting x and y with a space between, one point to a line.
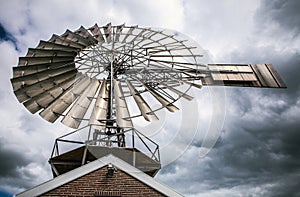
97 80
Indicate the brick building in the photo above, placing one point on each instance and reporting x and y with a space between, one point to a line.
106 176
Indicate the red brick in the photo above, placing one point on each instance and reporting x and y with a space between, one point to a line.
96 182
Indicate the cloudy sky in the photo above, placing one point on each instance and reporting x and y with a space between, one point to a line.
257 153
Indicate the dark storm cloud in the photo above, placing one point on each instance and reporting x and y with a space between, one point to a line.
13 166
264 146
284 12
18 169
3 33
11 160
258 153
281 18
252 152
6 36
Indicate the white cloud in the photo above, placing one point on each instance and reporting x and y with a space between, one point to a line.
220 26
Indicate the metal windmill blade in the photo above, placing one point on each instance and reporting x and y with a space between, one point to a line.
88 76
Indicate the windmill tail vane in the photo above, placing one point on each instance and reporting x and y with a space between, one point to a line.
103 77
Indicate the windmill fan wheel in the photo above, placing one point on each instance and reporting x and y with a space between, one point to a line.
106 75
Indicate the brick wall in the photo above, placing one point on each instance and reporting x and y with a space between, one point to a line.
98 184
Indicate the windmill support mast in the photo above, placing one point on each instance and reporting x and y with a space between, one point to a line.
112 75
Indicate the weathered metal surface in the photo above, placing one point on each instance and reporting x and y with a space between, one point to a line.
76 113
142 104
122 112
251 75
98 117
74 158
